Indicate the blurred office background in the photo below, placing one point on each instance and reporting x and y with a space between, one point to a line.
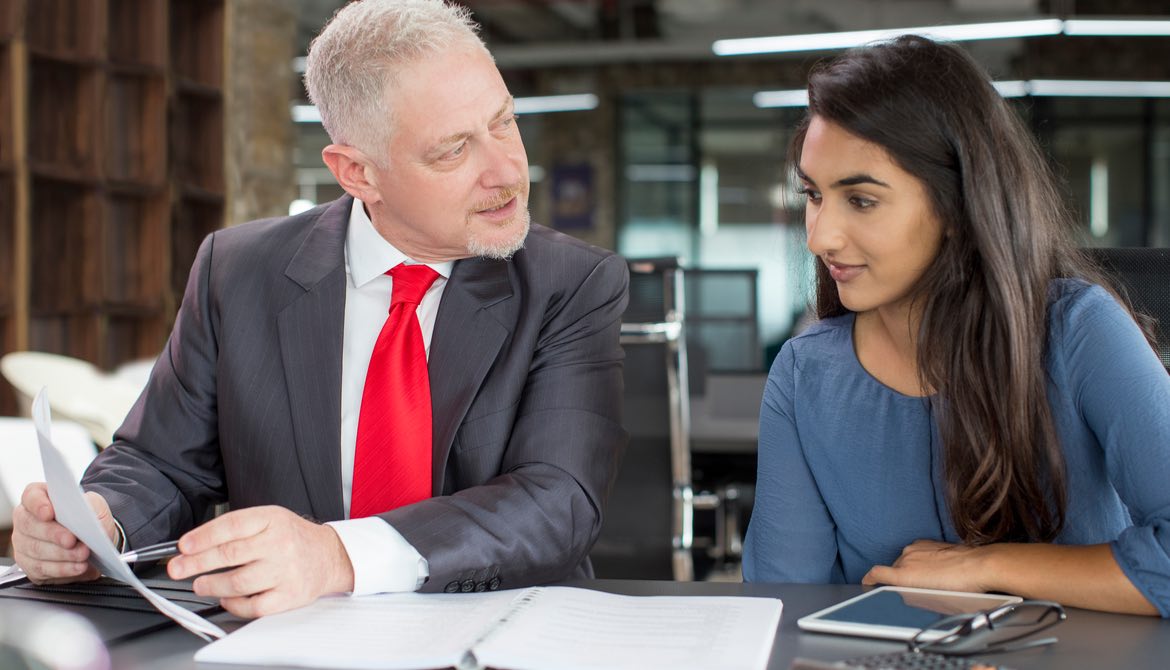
129 129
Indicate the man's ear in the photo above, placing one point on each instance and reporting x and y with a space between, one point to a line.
353 171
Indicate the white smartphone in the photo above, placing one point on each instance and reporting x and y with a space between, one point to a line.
897 612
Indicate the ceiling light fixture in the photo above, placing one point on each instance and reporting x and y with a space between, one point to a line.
844 40
951 33
1012 89
534 105
556 103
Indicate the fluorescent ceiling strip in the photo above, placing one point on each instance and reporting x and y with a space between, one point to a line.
535 105
306 114
793 98
1013 89
556 103
1116 27
843 40
1099 89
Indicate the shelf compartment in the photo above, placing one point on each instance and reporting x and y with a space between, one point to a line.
197 41
129 338
135 128
197 138
138 32
133 271
191 220
63 118
7 109
67 29
64 225
7 244
74 335
11 12
8 405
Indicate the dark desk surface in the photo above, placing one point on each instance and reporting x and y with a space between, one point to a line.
1087 639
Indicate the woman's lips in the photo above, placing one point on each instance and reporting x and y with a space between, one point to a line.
841 272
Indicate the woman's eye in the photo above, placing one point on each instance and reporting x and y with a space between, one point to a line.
811 194
862 203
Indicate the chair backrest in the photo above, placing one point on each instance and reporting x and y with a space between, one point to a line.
20 457
80 391
1143 275
646 531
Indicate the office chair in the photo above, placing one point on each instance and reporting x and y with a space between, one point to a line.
1143 276
647 524
79 391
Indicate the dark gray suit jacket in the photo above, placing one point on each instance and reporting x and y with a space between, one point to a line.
244 404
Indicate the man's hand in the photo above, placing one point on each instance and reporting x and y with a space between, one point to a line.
272 560
47 551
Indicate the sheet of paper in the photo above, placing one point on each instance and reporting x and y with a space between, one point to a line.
74 513
12 573
397 631
577 629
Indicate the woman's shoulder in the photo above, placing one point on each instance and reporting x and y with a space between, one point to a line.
827 332
1072 300
824 341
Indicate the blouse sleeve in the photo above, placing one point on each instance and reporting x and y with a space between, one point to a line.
1123 393
791 537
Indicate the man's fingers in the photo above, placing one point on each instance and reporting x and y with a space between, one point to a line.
223 529
261 604
45 550
245 581
230 554
35 499
27 529
48 572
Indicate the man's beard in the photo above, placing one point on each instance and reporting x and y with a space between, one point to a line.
481 246
486 243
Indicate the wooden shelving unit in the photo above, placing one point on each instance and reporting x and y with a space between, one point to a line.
111 170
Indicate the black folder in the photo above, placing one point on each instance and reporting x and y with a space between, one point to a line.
115 609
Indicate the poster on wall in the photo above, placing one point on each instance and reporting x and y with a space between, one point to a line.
572 197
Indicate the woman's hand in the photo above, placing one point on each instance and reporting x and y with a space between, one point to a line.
937 565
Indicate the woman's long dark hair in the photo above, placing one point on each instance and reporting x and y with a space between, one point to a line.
984 300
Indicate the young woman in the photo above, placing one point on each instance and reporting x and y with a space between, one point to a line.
973 411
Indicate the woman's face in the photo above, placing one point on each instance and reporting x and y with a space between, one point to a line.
868 220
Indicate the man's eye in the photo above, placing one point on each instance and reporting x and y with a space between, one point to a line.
456 152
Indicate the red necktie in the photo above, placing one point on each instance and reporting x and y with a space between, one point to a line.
392 458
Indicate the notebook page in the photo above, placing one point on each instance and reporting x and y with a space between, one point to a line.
579 629
396 631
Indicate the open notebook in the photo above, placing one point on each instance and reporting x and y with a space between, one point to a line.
541 627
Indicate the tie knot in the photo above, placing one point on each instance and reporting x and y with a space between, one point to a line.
410 282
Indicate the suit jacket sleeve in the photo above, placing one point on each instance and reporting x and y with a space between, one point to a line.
164 473
537 519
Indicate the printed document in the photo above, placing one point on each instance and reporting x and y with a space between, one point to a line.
74 513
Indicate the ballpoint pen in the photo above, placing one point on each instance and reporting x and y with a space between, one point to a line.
152 552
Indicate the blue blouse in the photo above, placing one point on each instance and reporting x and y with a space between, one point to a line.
850 470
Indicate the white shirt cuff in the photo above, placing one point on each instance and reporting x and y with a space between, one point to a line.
383 561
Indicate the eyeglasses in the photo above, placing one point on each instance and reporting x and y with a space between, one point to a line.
996 630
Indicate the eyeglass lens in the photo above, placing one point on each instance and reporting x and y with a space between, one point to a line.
988 631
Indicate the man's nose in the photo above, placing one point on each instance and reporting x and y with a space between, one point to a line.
505 164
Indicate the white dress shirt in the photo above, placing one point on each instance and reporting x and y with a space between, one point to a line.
383 561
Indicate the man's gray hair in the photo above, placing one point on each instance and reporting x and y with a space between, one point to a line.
356 57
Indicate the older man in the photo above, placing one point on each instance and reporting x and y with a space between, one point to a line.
465 441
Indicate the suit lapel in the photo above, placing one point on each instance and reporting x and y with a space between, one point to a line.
469 331
311 341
